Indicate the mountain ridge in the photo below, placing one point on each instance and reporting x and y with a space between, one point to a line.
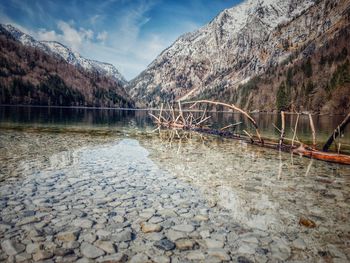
240 43
61 50
32 74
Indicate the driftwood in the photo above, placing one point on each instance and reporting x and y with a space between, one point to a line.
230 106
201 125
340 128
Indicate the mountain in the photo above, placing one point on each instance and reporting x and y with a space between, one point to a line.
48 73
262 55
60 50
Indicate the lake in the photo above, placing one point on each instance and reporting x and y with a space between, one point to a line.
92 184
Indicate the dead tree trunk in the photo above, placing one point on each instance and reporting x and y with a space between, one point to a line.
336 133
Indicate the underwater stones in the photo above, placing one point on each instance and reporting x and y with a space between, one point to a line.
219 253
174 235
184 244
154 236
68 236
280 249
303 221
114 258
184 228
106 246
32 247
132 208
155 220
212 243
28 220
161 259
146 215
11 247
164 244
41 255
195 255
242 259
83 223
91 251
148 227
89 237
299 243
123 236
140 258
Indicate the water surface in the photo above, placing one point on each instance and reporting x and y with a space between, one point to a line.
249 199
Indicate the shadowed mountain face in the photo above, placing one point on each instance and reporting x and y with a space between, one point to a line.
266 55
48 73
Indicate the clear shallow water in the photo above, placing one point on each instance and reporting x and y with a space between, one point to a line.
253 197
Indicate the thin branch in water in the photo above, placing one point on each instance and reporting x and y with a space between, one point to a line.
282 129
295 129
204 120
309 167
313 132
231 125
248 134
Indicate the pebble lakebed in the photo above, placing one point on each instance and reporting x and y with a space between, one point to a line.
112 203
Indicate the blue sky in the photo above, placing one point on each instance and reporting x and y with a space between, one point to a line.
127 33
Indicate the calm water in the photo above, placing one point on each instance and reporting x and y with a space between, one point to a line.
253 197
113 120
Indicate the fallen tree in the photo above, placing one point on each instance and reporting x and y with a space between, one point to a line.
187 121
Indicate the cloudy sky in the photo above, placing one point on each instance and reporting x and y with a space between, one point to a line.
127 33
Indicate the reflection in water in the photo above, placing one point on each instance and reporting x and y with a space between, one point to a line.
11 117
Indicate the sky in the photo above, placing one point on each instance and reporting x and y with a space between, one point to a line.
126 33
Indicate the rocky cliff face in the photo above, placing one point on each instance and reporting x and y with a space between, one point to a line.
253 39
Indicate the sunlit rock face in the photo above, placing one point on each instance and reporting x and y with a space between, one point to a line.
238 44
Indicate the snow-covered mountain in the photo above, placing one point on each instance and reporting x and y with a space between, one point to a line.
60 50
238 44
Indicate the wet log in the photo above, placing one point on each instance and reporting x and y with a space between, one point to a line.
339 130
323 156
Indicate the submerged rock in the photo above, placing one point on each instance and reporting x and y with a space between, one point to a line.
91 251
68 236
164 244
148 227
307 222
184 228
12 248
41 255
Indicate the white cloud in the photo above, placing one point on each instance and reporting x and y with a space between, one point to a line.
42 34
123 42
68 35
102 36
93 19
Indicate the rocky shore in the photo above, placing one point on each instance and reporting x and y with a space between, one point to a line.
112 203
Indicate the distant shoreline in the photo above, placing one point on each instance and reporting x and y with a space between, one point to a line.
153 109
